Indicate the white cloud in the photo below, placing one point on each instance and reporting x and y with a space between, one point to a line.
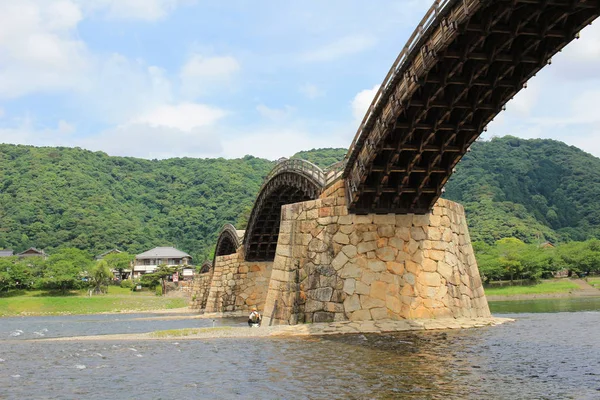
185 116
275 142
342 47
39 50
146 141
275 114
311 91
149 10
199 74
362 101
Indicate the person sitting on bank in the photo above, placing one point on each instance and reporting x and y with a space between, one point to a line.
254 317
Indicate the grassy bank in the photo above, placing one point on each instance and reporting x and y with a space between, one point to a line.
548 287
78 302
595 282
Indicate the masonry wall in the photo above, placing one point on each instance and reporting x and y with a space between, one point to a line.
331 266
200 289
237 285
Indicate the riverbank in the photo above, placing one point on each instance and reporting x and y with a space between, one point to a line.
552 289
118 300
317 329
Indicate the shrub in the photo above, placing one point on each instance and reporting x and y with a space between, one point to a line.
158 290
127 284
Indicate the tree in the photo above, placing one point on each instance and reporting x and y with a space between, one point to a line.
119 261
62 275
159 276
100 275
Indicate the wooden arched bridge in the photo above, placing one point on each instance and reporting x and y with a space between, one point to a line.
463 63
309 254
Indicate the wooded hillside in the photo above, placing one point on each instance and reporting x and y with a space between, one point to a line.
534 190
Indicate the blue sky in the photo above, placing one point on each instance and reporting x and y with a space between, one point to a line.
170 78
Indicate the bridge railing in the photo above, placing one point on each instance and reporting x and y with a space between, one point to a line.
298 165
334 172
380 97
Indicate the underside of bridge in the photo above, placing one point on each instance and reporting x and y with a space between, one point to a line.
228 241
471 61
263 226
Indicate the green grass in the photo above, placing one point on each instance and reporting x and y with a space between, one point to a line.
37 302
562 286
186 332
595 282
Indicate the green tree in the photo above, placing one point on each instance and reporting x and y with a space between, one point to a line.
159 276
119 261
100 276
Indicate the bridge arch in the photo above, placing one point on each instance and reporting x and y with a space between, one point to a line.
290 181
206 267
463 63
229 240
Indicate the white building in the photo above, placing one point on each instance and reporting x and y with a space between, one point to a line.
148 261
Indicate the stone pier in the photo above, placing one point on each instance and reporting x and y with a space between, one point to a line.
331 266
238 285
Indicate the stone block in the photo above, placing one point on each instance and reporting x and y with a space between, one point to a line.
368 302
360 315
394 304
349 286
378 290
362 288
379 313
323 294
409 278
363 219
364 247
384 219
339 261
352 303
386 254
369 236
323 316
444 269
369 276
403 233
345 219
312 214
431 279
341 238
417 233
404 220
396 243
350 270
429 265
346 229
316 245
395 268
350 251
376 265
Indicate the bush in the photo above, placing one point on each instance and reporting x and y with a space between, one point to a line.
158 290
127 284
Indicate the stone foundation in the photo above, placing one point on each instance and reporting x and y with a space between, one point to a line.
237 285
331 266
200 289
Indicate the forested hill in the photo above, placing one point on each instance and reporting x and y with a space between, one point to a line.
64 197
529 189
53 197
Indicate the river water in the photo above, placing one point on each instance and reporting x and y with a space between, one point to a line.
540 356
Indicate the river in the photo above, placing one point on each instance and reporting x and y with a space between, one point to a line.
543 355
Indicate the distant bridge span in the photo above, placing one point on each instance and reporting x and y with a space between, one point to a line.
464 62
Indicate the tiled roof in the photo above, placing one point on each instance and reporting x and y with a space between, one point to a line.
163 252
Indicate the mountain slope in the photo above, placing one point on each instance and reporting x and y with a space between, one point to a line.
534 190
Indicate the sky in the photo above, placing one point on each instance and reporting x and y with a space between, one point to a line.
196 78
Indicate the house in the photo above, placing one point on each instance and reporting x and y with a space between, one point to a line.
6 253
32 252
146 262
113 251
